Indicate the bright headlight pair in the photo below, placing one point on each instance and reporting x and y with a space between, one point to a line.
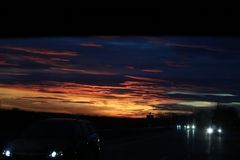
210 130
191 126
55 154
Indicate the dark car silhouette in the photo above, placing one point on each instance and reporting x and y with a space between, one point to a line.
55 139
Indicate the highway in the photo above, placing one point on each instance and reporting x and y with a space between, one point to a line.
174 144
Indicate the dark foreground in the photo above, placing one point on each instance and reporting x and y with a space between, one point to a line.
172 144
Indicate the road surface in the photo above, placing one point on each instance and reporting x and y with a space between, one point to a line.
174 145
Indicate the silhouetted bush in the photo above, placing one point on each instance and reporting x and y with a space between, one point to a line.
226 116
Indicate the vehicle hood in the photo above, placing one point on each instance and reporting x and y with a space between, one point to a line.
38 146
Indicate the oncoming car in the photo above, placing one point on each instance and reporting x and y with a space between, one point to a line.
55 139
214 129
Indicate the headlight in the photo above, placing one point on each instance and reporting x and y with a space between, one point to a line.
193 126
188 126
7 153
55 154
219 130
209 130
179 127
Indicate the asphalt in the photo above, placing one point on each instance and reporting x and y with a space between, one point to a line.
174 144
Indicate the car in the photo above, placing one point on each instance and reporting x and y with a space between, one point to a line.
55 138
213 129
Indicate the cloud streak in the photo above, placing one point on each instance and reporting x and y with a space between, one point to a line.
175 64
41 51
152 70
193 46
146 79
201 94
91 45
4 63
47 61
83 71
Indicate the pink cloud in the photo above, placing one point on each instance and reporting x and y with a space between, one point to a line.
146 79
42 51
130 83
91 45
82 71
46 61
130 67
151 70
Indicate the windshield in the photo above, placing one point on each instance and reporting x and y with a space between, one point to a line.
49 130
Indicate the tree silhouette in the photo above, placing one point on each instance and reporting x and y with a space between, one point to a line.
225 116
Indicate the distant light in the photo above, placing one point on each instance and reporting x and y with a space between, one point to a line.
219 130
7 153
179 127
193 126
53 154
188 126
209 130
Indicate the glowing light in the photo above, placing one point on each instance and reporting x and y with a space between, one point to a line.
7 153
53 154
193 126
209 130
179 127
219 130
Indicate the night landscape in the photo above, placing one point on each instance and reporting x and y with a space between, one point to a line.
148 97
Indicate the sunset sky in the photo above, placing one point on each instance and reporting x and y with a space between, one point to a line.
119 76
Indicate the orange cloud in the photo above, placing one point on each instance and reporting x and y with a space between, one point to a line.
128 83
151 70
42 51
91 45
146 79
81 71
128 99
